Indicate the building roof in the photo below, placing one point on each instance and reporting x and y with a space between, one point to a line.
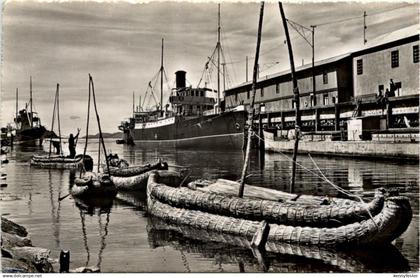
381 40
393 36
299 68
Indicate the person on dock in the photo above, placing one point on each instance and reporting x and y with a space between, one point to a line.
72 144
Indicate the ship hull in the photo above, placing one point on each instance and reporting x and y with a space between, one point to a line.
216 131
30 135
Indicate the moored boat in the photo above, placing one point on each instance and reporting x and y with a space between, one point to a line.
133 177
93 185
388 224
58 161
323 214
27 122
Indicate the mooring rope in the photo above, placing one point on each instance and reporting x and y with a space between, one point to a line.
323 177
344 191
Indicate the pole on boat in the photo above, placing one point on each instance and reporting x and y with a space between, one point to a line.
246 69
52 123
30 99
218 57
251 115
58 117
133 101
87 128
99 122
296 97
161 80
17 108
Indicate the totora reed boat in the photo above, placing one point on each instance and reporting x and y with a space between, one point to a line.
383 227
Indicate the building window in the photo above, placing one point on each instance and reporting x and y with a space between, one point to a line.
293 104
398 89
334 100
247 94
262 92
415 53
394 59
359 67
312 97
278 85
325 99
325 78
236 97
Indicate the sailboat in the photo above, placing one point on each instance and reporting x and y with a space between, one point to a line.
58 160
194 117
27 122
90 184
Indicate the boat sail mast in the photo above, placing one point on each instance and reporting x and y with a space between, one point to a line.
30 101
252 107
17 107
296 97
218 58
161 81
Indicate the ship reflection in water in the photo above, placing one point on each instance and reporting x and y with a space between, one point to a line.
117 235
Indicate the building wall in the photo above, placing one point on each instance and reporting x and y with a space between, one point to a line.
281 98
377 71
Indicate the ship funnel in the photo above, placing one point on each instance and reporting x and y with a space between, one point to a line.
180 79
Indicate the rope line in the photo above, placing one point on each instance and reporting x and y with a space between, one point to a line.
323 177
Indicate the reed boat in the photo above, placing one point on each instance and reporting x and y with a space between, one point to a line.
134 177
93 185
381 227
325 213
58 161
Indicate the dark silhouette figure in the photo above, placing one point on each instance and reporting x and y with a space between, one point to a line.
392 88
72 144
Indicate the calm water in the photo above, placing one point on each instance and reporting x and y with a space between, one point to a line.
120 237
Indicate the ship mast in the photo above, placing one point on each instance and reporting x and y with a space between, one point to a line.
17 108
161 80
30 100
218 58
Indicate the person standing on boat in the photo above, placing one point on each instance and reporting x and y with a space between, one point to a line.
72 144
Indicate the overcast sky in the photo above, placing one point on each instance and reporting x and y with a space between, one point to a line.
119 44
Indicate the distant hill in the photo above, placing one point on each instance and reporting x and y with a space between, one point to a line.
106 135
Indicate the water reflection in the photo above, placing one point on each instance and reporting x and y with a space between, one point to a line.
100 209
55 206
33 195
280 257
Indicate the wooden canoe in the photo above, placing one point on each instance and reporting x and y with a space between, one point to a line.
134 178
58 161
382 228
92 185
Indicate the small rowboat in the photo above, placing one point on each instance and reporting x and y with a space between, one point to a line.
58 161
93 185
382 228
134 177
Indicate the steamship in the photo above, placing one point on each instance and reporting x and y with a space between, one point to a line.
195 120
194 116
28 127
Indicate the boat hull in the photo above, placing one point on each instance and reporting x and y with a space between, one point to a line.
382 228
34 134
57 162
222 130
